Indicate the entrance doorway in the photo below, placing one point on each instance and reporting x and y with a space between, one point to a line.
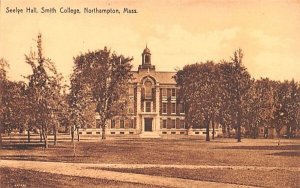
148 124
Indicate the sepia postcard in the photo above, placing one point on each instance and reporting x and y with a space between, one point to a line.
136 93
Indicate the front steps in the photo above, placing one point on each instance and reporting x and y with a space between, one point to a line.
149 135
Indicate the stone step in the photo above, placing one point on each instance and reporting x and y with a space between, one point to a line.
150 135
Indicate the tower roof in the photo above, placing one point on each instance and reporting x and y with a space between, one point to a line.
146 50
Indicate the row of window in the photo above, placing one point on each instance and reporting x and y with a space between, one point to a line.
148 91
165 93
172 123
173 108
166 123
121 123
148 107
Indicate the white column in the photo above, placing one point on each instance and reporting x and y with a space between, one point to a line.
157 121
142 124
138 108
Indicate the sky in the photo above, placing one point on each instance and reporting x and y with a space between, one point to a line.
176 32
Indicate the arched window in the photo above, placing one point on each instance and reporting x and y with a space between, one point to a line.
147 59
148 90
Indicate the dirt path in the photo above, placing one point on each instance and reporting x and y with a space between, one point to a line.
136 166
83 170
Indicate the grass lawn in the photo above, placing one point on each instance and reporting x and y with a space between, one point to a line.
26 178
260 178
259 152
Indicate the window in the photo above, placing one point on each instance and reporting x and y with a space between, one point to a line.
164 123
122 126
164 108
164 92
113 124
131 123
261 130
173 108
147 59
148 90
173 92
148 107
181 108
173 123
182 124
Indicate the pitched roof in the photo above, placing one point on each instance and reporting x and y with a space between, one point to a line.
161 77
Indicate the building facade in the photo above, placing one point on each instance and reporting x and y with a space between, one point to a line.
154 108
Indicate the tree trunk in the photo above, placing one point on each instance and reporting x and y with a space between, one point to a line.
213 127
228 132
46 140
239 125
289 131
239 133
265 132
55 134
224 131
253 133
78 137
278 136
9 137
72 134
28 136
74 149
41 136
207 129
0 139
103 132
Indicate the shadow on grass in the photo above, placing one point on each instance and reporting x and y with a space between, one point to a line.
287 154
45 157
287 147
30 146
22 146
40 158
22 157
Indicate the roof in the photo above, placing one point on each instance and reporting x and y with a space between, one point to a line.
161 77
146 50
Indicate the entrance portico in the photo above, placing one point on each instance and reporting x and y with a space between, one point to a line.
148 124
147 97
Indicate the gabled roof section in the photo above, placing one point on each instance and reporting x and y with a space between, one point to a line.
161 77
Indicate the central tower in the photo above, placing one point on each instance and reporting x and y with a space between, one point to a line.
146 60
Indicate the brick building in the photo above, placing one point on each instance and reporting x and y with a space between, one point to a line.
154 108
